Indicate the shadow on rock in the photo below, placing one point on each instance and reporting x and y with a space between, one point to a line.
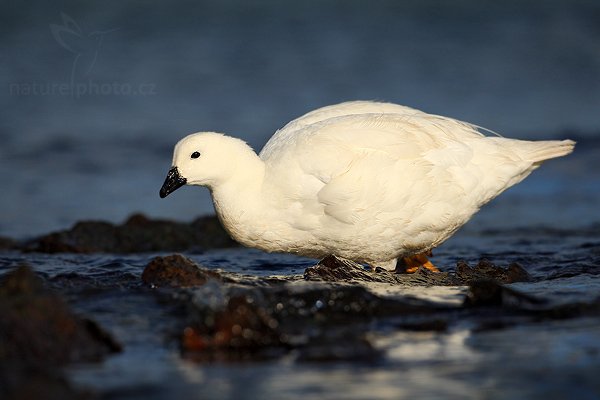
38 333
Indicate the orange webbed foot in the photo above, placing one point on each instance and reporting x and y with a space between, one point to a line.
410 264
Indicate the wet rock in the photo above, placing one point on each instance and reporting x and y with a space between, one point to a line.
330 321
327 316
340 304
322 321
137 234
336 269
36 326
425 277
177 271
84 237
242 330
508 307
7 243
318 323
485 270
489 293
38 333
27 382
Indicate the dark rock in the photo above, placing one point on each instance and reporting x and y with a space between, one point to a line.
241 330
425 277
336 269
489 293
327 320
29 382
38 333
318 323
7 243
323 321
37 327
177 271
485 270
508 307
84 237
137 234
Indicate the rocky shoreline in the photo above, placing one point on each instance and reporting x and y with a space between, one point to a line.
137 234
325 314
39 335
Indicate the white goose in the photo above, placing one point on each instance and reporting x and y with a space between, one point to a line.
370 182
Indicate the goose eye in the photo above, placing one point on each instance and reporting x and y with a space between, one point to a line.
195 154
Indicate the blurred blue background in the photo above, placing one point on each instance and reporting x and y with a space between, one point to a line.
95 94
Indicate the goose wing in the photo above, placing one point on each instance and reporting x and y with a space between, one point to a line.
398 168
296 126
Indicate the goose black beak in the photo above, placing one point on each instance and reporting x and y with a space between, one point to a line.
173 182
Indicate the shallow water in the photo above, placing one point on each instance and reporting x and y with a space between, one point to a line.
551 227
525 359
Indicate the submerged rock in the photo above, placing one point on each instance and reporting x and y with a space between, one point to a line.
177 271
505 307
241 330
314 321
486 270
485 293
323 323
137 234
38 333
328 316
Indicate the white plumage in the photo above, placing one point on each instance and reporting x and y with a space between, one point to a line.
366 181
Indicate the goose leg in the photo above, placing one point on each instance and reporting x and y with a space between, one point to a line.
410 264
